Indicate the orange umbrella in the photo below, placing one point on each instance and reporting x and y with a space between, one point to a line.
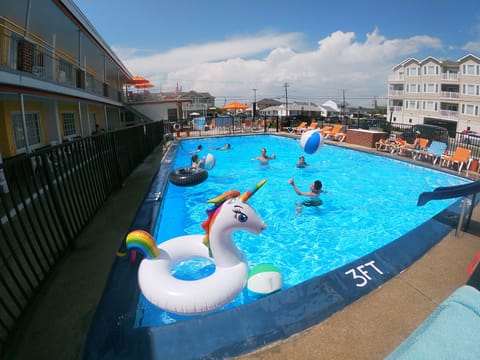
235 106
144 86
138 80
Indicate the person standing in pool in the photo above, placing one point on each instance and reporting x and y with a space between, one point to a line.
196 162
313 195
301 162
264 158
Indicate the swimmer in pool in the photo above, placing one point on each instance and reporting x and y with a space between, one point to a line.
313 196
301 162
264 158
226 147
197 163
198 149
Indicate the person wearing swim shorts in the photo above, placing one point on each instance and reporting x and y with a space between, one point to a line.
313 196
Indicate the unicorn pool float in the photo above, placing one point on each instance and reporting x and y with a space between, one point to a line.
229 213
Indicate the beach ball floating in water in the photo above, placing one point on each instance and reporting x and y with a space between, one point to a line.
210 162
311 141
264 279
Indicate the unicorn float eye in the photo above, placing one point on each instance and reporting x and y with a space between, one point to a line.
239 215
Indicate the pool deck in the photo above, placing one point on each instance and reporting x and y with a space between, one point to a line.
56 325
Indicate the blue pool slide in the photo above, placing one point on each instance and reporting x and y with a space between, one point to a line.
449 192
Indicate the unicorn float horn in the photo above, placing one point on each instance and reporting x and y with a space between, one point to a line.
249 193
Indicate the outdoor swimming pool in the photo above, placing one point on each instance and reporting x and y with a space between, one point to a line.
367 231
368 201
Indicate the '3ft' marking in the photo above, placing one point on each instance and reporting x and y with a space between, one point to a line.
361 273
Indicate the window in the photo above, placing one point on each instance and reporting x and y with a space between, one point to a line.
471 69
430 88
470 89
413 88
430 70
89 82
32 121
65 70
469 109
38 58
412 104
68 120
430 105
14 50
412 71
92 120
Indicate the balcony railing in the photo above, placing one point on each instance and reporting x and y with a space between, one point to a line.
38 61
396 92
396 77
449 114
450 95
450 76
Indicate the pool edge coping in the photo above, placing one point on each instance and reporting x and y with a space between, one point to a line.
276 317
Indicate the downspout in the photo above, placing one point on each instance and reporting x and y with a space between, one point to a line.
80 118
27 19
24 123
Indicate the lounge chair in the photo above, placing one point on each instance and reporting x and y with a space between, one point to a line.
449 332
386 144
408 149
324 129
398 143
313 125
299 128
433 152
331 133
461 156
340 136
247 125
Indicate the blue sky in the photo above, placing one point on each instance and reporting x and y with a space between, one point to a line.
321 49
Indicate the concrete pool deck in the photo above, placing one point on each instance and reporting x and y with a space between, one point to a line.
56 326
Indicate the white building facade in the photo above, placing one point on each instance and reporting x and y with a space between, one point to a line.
437 92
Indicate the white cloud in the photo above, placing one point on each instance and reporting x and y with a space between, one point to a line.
472 46
232 68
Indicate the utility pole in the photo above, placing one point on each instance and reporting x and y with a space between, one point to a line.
254 104
286 99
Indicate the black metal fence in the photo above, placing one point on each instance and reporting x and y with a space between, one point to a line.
46 199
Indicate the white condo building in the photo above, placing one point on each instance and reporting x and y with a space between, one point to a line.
437 92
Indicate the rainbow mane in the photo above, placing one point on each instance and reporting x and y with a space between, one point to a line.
212 214
142 241
218 201
249 193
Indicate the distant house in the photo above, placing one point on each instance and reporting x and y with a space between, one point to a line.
197 102
299 108
265 103
436 92
175 105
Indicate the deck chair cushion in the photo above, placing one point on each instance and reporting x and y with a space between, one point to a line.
450 332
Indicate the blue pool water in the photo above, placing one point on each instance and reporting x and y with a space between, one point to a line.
368 202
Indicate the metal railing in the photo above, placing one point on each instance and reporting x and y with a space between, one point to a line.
50 65
46 199
48 196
